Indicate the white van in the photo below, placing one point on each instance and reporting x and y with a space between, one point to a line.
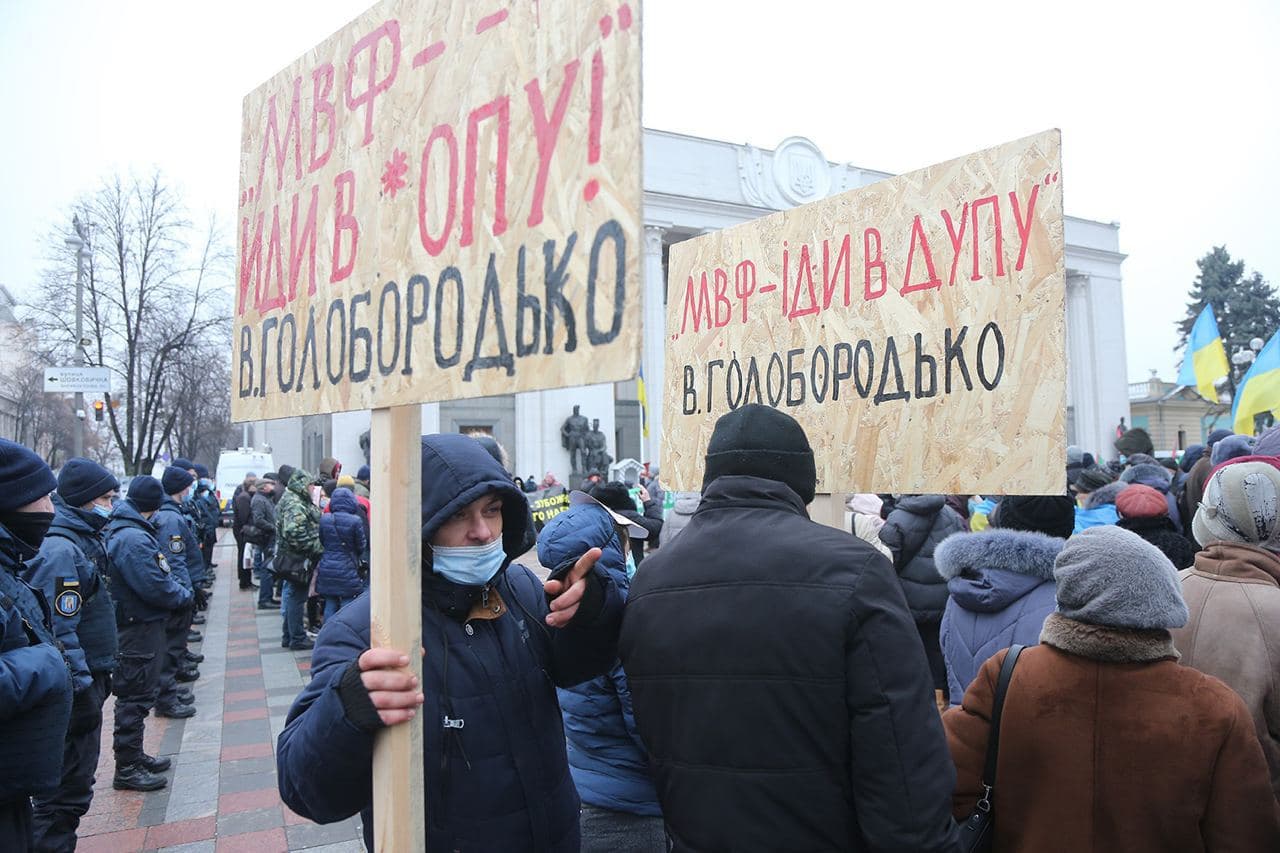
233 467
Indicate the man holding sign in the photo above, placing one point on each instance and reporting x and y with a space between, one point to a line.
497 643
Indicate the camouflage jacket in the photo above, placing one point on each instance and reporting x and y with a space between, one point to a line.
298 519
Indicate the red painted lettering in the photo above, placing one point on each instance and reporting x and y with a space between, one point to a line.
304 243
868 265
918 239
1024 222
322 102
744 284
724 308
268 301
501 108
344 220
697 304
994 201
957 238
391 32
435 245
804 271
830 276
250 262
271 135
546 132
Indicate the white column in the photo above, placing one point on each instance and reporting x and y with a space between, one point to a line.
655 325
1080 373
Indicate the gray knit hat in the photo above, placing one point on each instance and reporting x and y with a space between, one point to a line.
1241 503
1109 576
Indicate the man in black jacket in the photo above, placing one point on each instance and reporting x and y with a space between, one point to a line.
240 516
778 680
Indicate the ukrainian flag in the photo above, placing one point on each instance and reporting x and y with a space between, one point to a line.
1259 391
644 403
1206 359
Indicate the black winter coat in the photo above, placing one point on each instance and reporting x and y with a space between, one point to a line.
914 529
780 686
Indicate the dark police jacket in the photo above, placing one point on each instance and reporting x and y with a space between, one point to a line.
35 685
178 540
70 571
142 582
497 776
780 686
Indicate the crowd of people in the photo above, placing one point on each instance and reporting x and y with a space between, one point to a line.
727 675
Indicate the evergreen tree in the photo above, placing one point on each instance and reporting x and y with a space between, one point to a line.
1246 306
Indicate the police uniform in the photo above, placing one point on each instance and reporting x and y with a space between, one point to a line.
192 510
182 550
70 570
146 593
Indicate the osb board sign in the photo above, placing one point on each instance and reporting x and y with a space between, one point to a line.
914 327
442 201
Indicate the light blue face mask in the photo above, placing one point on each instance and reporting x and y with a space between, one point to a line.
104 511
469 565
631 566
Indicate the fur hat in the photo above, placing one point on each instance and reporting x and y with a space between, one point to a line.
1231 447
1216 436
1054 516
1241 503
1092 479
1109 576
1139 501
760 441
1147 473
1135 441
1105 495
1268 443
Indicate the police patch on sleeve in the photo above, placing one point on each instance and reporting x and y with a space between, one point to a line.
176 544
67 598
162 562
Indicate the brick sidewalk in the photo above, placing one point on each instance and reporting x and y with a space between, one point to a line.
222 792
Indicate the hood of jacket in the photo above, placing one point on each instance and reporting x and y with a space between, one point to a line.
344 500
577 530
687 505
300 482
1106 495
1237 561
126 515
75 520
921 505
988 571
456 470
865 504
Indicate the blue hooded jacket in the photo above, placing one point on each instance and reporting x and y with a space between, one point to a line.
497 777
342 534
1099 508
1002 588
70 570
35 685
606 756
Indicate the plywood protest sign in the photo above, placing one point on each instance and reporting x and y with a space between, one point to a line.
442 201
915 328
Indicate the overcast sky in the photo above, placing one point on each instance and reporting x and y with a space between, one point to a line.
1168 110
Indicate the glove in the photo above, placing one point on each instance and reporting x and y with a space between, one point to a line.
201 598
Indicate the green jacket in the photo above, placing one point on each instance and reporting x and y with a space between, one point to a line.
298 519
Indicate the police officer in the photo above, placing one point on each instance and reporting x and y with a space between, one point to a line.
35 690
70 570
177 538
206 501
145 593
196 517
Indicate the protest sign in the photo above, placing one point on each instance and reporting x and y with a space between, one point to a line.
546 504
441 201
914 327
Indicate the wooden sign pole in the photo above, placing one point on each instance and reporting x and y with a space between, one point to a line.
395 603
828 509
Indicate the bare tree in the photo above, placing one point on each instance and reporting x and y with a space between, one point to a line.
201 401
45 422
151 290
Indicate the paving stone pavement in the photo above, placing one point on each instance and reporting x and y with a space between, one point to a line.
222 795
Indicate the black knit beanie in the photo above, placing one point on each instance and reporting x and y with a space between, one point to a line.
82 480
175 480
1054 515
145 493
24 476
759 441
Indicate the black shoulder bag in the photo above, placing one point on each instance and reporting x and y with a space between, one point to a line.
978 831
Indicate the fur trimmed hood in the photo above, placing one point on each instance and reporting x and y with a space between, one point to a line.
1105 495
988 571
1109 645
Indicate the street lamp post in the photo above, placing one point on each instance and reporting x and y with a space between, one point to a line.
80 243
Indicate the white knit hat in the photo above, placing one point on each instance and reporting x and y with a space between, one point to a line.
1241 503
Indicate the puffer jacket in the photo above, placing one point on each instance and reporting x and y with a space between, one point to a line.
1002 588
497 778
298 519
915 527
606 756
1233 595
345 545
678 519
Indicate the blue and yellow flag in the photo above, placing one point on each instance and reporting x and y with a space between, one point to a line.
1206 359
644 403
1259 391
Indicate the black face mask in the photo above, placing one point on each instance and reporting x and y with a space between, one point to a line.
29 528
